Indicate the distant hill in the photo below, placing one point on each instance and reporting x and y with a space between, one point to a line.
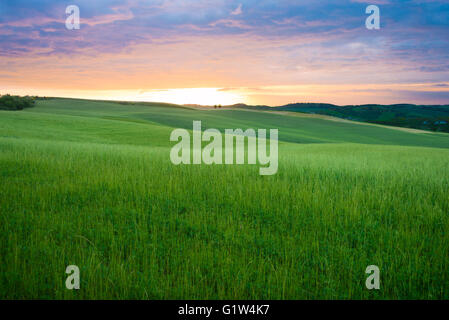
425 117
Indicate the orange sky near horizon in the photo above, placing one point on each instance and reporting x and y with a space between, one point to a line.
271 96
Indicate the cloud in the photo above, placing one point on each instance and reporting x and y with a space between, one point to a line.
230 23
237 11
118 15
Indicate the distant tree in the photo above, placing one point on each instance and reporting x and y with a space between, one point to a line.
8 102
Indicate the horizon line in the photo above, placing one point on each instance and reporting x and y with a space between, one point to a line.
226 105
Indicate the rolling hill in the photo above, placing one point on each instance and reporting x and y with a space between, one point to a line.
424 117
90 183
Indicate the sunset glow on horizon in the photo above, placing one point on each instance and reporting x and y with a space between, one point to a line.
227 52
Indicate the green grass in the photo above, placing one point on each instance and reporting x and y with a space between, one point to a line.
91 184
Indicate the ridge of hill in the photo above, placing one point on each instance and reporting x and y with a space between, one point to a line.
423 117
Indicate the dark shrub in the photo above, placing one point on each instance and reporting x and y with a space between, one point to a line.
8 102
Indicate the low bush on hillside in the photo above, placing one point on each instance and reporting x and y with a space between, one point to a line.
8 102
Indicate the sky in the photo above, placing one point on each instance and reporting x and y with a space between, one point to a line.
269 52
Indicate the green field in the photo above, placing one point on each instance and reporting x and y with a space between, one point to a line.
91 184
425 117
